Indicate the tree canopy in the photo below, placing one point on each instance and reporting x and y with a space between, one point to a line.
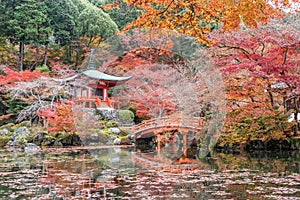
32 22
93 22
197 18
253 43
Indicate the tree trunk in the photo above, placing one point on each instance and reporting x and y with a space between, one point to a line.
271 96
297 128
37 54
70 53
89 43
21 56
45 55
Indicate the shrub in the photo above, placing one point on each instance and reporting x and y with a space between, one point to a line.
59 119
111 123
43 68
126 116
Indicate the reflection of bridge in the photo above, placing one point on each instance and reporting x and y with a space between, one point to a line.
158 162
165 129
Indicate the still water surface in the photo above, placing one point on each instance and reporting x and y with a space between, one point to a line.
127 173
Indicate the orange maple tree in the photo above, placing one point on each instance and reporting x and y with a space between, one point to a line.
59 118
197 18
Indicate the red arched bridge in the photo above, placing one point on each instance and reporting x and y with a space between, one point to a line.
165 129
149 128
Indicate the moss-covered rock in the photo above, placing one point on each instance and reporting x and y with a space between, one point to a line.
111 124
19 137
48 140
23 123
38 138
124 132
8 127
3 140
126 141
70 140
62 139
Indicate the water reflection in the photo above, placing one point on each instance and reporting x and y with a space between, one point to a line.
127 173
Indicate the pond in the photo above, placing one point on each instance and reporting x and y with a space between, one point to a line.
128 173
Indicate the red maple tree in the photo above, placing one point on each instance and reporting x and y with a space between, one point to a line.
261 71
58 118
10 77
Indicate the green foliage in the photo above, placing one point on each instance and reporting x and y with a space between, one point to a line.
8 127
104 131
99 2
126 116
43 68
23 123
262 127
103 136
111 124
93 22
48 140
2 107
15 105
63 16
3 140
27 22
7 51
124 14
133 109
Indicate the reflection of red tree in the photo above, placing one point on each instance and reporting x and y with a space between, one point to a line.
68 179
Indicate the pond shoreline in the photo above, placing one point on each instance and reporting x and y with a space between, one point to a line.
289 144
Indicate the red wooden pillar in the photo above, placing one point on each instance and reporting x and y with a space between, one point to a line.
105 93
158 135
184 144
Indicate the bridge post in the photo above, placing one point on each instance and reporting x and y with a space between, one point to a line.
184 134
158 136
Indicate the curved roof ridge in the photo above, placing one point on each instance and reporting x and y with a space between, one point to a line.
94 74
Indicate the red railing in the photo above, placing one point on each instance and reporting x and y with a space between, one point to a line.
170 121
92 102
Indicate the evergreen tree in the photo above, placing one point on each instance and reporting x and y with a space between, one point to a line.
63 16
93 22
124 14
25 22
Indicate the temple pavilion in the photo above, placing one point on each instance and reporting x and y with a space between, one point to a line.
89 89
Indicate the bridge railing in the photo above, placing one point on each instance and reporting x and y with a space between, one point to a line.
195 122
